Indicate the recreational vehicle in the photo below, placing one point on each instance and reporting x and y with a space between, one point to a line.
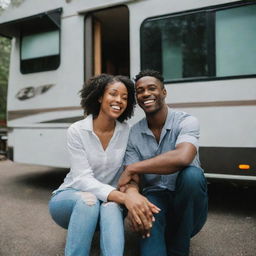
205 49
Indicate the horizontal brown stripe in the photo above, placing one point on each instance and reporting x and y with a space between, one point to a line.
213 104
22 113
27 112
64 120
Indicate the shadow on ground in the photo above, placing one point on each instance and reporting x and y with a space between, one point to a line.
49 180
232 197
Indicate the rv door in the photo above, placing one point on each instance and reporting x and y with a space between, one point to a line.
107 42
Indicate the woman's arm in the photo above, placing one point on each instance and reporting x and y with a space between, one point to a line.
81 172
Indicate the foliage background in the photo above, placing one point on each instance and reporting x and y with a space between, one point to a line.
5 48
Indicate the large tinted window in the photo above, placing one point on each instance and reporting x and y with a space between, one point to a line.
176 45
202 44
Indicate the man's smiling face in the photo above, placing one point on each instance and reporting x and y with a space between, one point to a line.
150 94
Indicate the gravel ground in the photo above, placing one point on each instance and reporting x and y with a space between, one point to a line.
26 229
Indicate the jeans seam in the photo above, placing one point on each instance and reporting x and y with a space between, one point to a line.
102 230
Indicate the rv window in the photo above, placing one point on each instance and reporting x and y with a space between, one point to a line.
40 45
200 44
176 45
40 52
235 47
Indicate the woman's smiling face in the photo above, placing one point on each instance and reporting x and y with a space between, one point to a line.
114 100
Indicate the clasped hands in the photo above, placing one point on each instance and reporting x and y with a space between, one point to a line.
140 211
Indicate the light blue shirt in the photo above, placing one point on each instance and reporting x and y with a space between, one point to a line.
179 127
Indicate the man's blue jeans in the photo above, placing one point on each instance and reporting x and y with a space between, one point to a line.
80 212
183 214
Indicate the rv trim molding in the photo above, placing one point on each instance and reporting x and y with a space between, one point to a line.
15 114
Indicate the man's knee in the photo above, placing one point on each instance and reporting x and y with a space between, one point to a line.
192 180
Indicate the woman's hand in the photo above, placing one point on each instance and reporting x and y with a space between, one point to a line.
133 225
141 211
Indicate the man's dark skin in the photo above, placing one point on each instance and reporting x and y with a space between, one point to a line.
151 94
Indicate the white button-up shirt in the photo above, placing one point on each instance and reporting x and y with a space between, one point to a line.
94 169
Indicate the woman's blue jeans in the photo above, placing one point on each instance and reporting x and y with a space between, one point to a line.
80 213
183 213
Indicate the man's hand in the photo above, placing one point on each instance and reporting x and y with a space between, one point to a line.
127 176
124 179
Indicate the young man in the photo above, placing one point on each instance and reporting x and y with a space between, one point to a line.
163 150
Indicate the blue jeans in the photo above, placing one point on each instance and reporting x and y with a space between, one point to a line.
80 213
183 214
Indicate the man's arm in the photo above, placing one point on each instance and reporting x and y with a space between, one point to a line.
166 163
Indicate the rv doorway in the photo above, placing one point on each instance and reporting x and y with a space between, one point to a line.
107 42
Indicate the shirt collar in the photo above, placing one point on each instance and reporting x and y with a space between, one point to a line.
167 124
87 124
168 121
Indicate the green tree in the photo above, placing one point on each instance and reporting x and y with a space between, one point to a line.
5 47
5 3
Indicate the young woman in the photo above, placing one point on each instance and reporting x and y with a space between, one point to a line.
88 196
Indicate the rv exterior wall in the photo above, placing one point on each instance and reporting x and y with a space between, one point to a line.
224 107
67 80
32 7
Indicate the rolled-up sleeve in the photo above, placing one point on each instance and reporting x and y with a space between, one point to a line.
131 154
189 131
82 174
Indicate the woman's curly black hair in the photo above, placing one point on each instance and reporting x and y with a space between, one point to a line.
94 88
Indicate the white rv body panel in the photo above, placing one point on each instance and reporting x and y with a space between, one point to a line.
220 125
225 107
29 8
67 76
40 142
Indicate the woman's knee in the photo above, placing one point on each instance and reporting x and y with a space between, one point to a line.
62 206
87 204
60 212
111 208
111 212
112 205
87 198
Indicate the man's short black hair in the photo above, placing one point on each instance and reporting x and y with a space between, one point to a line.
94 88
150 72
